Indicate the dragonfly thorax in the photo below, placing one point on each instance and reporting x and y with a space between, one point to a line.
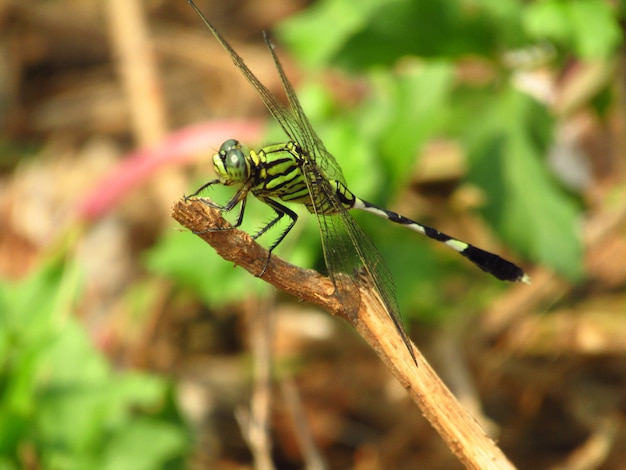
230 163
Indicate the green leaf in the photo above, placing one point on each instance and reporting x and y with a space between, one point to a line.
525 203
406 112
58 395
386 131
382 31
309 35
589 27
144 444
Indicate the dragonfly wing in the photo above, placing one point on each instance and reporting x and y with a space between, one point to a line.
306 135
349 253
347 249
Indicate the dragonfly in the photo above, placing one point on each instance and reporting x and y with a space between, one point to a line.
301 171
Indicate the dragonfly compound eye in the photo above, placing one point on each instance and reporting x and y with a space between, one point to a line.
229 145
230 163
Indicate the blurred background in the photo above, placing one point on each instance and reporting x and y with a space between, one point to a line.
125 342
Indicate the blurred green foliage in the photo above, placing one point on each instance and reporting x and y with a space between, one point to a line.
61 404
586 28
408 53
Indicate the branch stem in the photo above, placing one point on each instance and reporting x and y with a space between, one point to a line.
461 432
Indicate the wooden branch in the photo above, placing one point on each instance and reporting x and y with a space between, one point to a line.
462 433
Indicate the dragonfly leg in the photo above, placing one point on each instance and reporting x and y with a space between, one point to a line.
281 211
201 188
240 196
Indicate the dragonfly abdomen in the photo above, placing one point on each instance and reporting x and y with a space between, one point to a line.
488 262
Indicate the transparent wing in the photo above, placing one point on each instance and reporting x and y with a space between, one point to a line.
307 137
347 249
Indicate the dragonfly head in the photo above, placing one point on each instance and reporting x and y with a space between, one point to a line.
230 163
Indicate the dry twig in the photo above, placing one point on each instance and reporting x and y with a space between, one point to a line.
460 431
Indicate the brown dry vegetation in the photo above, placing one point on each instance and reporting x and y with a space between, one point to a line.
84 85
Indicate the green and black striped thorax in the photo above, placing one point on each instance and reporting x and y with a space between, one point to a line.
276 171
